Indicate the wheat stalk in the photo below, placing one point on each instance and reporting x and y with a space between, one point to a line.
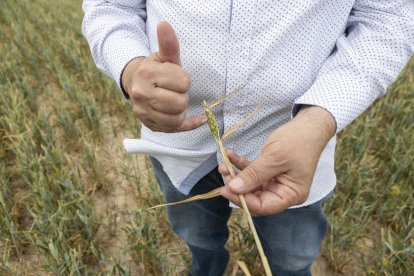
212 123
214 128
242 265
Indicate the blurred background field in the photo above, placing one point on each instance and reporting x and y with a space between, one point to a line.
73 203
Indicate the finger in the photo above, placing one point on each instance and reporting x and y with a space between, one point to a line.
159 121
157 128
154 126
162 120
259 203
153 73
172 77
255 174
168 102
237 160
227 193
273 201
169 47
266 203
227 179
192 123
175 123
223 170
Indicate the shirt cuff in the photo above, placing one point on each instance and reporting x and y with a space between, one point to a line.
297 106
126 95
118 57
342 93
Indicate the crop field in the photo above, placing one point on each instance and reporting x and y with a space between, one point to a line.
72 202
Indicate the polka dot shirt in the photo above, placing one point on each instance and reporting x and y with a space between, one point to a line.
339 55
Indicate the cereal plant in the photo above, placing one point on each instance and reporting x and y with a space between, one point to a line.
73 203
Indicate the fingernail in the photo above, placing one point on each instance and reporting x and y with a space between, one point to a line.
236 184
204 120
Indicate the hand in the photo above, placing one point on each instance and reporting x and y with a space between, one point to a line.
158 86
282 174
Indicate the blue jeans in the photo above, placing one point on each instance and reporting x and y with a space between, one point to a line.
290 239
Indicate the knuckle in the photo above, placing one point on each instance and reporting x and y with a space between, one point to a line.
284 156
237 158
180 119
155 104
181 104
145 72
187 82
175 122
137 93
139 111
222 169
180 109
303 196
253 173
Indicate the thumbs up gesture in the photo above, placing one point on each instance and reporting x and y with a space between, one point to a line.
158 86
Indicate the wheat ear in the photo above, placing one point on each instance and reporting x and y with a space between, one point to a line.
213 125
214 128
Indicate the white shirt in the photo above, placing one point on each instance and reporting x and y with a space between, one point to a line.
340 55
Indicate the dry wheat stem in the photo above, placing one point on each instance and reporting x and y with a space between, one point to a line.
242 265
248 215
214 128
213 193
213 125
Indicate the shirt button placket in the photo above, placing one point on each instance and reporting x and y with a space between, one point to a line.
238 61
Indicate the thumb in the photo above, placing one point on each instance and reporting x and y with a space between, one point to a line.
253 176
169 48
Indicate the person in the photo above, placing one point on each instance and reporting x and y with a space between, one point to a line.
316 65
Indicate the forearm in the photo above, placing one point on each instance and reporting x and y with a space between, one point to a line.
115 33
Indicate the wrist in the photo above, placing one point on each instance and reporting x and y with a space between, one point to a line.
317 120
128 72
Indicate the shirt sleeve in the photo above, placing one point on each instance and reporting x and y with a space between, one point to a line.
115 31
378 41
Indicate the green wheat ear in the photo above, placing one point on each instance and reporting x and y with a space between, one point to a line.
211 121
213 125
